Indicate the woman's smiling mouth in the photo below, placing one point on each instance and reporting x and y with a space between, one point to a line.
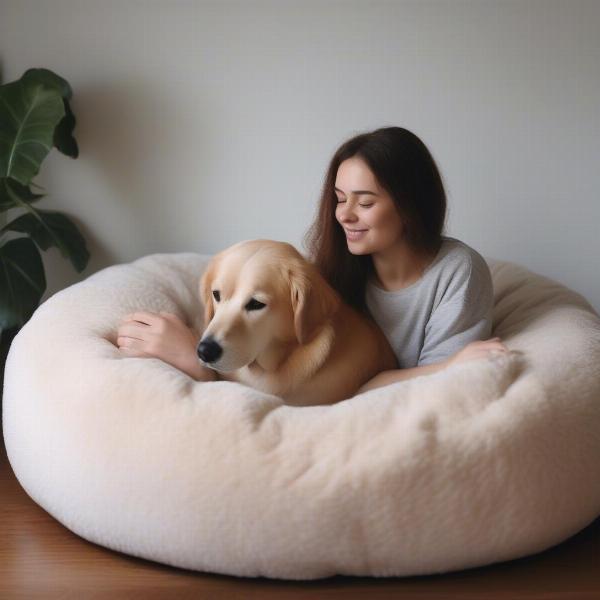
355 234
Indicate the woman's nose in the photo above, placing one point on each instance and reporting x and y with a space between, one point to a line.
346 214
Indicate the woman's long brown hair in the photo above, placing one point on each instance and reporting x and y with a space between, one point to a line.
404 167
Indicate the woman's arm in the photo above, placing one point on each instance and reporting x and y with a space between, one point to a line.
196 370
472 351
387 377
164 336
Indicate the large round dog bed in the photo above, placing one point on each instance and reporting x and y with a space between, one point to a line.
485 461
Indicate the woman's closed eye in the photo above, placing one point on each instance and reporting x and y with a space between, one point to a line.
365 205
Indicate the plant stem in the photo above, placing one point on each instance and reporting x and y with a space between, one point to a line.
3 222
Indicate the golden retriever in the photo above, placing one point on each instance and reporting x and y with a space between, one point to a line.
272 322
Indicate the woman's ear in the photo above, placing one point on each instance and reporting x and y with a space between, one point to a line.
206 291
314 301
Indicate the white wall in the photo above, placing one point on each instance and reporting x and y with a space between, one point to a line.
204 123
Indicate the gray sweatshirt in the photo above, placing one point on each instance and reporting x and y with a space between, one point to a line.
450 306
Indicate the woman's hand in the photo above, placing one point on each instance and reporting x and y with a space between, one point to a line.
477 350
163 335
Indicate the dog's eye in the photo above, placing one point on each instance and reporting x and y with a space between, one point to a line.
254 305
216 295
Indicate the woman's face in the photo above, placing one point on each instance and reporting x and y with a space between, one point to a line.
370 220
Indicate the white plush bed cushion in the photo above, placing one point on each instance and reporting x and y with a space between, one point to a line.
485 461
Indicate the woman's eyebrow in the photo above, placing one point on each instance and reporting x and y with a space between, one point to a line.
359 192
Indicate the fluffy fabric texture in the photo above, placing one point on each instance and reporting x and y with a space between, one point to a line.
485 461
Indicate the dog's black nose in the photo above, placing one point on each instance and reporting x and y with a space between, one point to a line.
209 350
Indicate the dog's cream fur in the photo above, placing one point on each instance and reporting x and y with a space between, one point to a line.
306 345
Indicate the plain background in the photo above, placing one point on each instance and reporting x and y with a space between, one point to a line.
201 124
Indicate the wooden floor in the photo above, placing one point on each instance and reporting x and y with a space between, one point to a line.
39 558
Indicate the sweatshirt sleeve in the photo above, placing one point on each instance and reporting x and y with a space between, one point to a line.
463 315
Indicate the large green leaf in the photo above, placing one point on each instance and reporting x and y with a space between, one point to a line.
48 79
22 281
63 138
13 194
34 116
51 228
29 114
63 134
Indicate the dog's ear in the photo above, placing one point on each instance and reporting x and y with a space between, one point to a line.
314 301
206 291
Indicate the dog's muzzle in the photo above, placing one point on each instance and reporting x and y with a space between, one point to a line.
209 350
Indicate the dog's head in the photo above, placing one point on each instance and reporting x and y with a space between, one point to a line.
257 295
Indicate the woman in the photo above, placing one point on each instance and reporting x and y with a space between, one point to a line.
378 241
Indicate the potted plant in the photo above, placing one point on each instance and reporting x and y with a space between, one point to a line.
34 117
